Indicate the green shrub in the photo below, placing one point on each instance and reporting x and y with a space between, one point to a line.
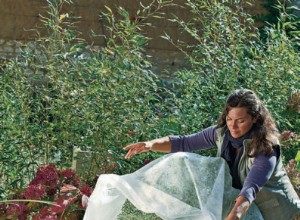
61 93
230 54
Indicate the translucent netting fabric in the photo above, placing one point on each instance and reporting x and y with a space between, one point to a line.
176 186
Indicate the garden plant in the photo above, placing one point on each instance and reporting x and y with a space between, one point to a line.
62 94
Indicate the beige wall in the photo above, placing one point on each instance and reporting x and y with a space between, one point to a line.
18 17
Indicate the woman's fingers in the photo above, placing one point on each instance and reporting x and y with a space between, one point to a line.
128 155
134 149
128 147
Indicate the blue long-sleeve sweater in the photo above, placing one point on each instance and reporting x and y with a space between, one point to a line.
260 173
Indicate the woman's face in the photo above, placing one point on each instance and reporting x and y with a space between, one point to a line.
239 122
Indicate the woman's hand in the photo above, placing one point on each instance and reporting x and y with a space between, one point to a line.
240 208
232 217
161 145
137 148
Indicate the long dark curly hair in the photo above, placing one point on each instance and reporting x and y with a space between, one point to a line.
264 131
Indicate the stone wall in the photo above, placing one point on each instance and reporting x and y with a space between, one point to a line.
9 48
19 17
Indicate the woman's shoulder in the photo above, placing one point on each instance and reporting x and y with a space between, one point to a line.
220 134
220 130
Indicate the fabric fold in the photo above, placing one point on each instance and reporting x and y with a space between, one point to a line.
176 186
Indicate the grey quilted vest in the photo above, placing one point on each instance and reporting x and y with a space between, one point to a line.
277 199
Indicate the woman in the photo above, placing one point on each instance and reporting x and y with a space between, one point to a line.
247 138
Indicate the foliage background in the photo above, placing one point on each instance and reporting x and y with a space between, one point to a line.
62 94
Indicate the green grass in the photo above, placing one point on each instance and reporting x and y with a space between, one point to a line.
129 212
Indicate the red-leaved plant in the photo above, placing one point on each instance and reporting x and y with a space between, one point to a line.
52 194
